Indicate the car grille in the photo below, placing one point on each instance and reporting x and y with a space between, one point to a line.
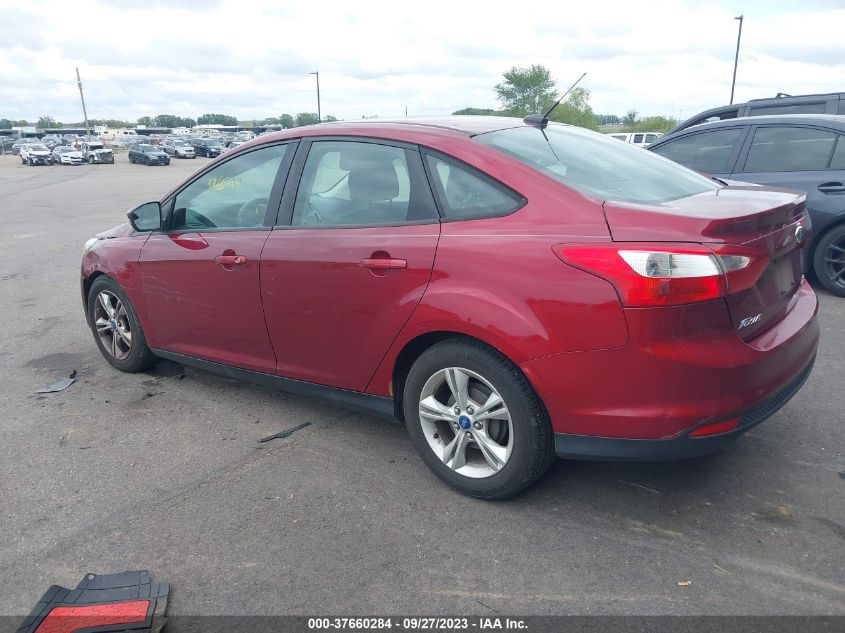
771 406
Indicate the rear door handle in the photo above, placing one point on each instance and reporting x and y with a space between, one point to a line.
832 187
230 260
384 264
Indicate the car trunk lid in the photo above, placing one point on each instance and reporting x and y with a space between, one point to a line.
764 220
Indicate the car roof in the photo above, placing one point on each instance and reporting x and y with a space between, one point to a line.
836 121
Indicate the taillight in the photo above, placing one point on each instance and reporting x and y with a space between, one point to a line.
667 274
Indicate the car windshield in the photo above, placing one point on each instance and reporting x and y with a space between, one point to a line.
38 148
148 148
179 143
63 150
598 166
94 146
212 143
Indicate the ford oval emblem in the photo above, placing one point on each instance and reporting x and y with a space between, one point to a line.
800 234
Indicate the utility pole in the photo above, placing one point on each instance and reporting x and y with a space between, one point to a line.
736 58
84 111
319 116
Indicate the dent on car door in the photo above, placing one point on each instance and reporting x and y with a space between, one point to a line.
201 276
350 259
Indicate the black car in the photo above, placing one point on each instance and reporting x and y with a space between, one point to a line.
207 147
804 152
148 155
830 103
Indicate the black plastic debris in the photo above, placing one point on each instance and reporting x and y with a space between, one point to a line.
283 434
128 601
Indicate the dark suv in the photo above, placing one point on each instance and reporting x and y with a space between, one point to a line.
792 151
830 103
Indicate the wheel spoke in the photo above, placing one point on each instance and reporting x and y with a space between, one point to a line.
839 274
458 381
126 336
494 454
433 410
837 248
104 301
102 324
493 408
114 348
455 452
833 261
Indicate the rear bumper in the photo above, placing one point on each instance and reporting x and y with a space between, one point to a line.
682 367
683 447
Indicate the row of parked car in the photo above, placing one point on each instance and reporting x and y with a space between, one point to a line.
89 152
148 153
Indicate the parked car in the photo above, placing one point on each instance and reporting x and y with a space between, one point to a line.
64 155
640 139
207 147
35 154
178 148
508 291
18 144
803 152
6 144
830 103
96 152
148 155
51 140
233 144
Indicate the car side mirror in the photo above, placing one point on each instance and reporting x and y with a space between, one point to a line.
146 217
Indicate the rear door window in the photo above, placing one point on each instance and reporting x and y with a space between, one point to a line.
782 148
838 159
710 152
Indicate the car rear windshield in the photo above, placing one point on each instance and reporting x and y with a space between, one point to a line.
598 166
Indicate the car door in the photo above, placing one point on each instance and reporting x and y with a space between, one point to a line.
200 276
798 157
712 152
349 260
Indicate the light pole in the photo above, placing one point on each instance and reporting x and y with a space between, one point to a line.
319 117
736 58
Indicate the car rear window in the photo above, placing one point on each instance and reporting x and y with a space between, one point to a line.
598 166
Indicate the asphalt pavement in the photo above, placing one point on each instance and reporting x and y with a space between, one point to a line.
163 471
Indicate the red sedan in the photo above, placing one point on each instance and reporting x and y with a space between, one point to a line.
510 290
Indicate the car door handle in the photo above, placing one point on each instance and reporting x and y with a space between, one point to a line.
832 187
384 263
230 260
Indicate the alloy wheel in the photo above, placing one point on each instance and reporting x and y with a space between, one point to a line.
834 261
112 323
466 422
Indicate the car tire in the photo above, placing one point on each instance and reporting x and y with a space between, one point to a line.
31 163
518 442
131 160
110 336
829 260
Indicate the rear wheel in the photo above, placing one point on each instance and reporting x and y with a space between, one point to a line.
116 328
829 260
476 421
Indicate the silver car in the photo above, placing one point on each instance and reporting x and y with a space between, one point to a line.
66 155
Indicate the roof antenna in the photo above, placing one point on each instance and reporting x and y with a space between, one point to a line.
543 120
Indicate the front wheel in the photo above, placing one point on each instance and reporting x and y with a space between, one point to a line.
829 260
476 421
116 328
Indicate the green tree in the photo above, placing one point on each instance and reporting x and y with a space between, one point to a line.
527 90
217 119
631 117
329 118
477 111
6 124
608 119
576 110
146 121
286 121
47 122
655 124
305 118
21 123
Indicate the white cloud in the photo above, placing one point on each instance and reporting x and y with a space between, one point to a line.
251 58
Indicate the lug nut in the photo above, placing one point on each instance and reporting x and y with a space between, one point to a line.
469 434
457 426
457 410
470 410
477 425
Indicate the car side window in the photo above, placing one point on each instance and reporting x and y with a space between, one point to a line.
638 138
797 108
465 195
233 195
781 148
709 152
837 161
351 183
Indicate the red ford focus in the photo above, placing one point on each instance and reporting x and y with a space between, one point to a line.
509 290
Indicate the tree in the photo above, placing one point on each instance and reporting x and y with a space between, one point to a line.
576 110
145 121
286 121
21 123
217 119
527 90
329 118
47 122
655 124
306 118
608 119
477 111
631 117
6 124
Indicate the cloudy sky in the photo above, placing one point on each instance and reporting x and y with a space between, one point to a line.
251 58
